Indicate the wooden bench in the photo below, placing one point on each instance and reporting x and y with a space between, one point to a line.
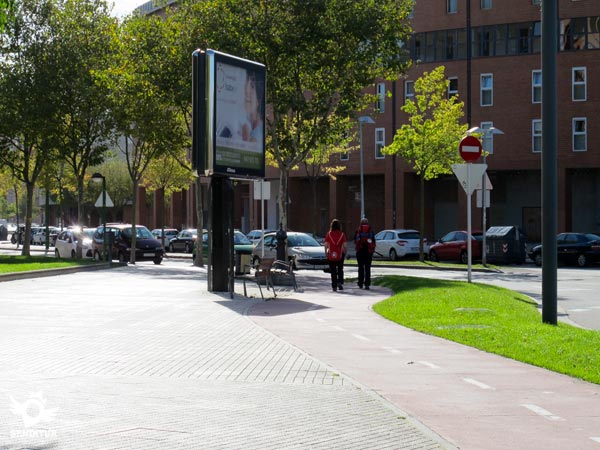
270 272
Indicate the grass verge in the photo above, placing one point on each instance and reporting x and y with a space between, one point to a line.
11 264
492 319
426 264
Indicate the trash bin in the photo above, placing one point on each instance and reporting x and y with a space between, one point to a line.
506 245
242 263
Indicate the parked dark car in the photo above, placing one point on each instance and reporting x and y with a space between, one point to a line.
147 247
184 241
453 247
579 249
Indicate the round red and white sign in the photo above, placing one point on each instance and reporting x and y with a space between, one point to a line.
470 149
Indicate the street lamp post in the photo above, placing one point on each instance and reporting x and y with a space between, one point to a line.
487 132
361 120
99 178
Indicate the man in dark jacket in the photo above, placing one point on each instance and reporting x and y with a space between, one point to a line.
364 241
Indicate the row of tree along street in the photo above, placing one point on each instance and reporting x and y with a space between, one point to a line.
77 86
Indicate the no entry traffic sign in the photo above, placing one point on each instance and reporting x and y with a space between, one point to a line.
470 149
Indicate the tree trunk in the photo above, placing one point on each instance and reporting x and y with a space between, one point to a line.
28 214
134 221
422 217
283 197
199 261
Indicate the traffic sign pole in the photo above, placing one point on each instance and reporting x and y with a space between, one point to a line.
469 222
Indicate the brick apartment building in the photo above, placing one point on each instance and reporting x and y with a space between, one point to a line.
505 74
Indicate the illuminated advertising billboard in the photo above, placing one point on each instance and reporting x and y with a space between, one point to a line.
235 99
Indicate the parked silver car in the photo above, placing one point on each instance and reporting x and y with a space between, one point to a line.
304 252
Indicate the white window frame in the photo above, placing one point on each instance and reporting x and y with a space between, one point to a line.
486 4
379 142
487 138
451 6
576 84
452 92
482 89
536 135
579 133
380 97
536 87
408 96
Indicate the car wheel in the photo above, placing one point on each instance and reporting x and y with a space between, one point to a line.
393 255
255 262
171 248
157 260
73 254
122 258
57 253
433 256
464 257
96 255
581 260
188 248
537 259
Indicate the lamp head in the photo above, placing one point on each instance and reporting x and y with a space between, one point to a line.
97 177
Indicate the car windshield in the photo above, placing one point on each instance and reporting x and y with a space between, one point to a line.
88 232
240 239
302 240
592 237
140 233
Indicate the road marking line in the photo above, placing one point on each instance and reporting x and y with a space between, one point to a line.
578 310
428 364
477 383
596 439
319 319
362 338
391 350
542 412
337 327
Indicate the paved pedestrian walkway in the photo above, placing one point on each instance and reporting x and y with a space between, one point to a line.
144 357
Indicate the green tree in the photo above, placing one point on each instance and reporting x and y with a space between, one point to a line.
144 117
429 141
319 54
82 47
167 175
27 112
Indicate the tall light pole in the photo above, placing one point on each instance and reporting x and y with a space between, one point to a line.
361 120
487 132
99 178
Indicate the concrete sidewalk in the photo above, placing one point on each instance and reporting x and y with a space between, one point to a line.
474 399
142 357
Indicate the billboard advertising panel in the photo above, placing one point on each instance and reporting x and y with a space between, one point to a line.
236 94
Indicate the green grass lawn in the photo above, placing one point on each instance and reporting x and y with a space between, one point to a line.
11 264
493 319
415 263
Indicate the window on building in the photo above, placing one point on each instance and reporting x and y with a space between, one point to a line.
536 136
487 138
452 87
579 134
536 86
579 75
451 44
451 6
593 38
344 156
409 91
486 4
501 40
379 142
380 97
486 89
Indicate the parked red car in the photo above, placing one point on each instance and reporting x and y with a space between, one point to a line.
453 247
